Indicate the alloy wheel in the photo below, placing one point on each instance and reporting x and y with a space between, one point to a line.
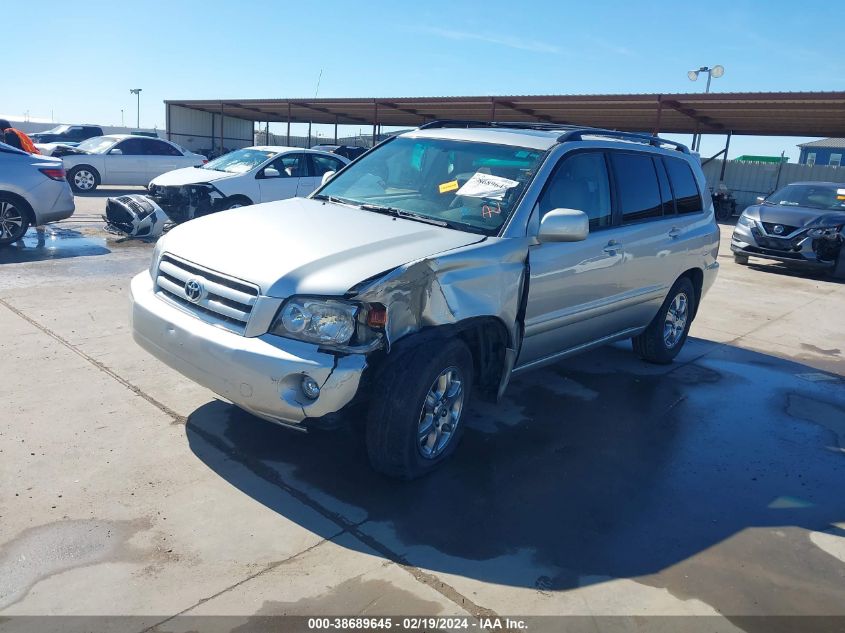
11 221
84 180
441 413
676 320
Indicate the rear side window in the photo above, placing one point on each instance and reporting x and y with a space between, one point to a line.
687 196
636 186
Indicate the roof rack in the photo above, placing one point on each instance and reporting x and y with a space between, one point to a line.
570 132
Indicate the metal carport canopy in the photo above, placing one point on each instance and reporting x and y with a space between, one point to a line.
757 113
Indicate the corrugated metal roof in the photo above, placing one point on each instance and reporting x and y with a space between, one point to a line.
758 113
826 142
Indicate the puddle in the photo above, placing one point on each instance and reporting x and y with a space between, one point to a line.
52 243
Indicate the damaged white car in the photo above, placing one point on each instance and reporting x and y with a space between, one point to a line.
428 272
243 177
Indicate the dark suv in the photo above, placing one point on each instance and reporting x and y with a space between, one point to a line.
67 134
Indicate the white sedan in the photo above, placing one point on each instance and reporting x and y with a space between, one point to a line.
124 159
245 176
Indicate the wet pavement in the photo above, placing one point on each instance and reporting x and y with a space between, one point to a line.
600 486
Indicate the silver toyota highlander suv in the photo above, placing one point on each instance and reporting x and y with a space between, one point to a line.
430 270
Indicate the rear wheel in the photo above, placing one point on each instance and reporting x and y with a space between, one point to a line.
663 339
14 219
83 179
416 416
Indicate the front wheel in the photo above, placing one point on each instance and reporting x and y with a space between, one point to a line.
14 220
663 339
419 404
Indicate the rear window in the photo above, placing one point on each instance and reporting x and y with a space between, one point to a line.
636 186
687 196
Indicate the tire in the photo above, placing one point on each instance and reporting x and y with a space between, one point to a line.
14 219
663 338
742 260
83 179
405 400
838 271
236 202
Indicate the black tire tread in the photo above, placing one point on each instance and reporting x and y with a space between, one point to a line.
72 171
649 344
26 212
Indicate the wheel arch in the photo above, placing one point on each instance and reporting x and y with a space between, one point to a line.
696 276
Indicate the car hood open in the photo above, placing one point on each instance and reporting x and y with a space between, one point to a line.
303 246
189 176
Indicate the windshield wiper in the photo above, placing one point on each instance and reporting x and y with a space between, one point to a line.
408 215
335 199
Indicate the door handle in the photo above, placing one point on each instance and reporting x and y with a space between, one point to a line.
674 232
612 247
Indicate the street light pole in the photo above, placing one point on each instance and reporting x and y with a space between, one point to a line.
137 92
716 71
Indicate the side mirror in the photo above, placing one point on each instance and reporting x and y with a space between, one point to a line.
271 172
327 176
116 152
564 225
760 199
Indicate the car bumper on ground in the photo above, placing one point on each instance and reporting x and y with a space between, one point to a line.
262 375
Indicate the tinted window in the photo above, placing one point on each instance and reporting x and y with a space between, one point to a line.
636 186
687 196
580 182
665 189
291 165
322 164
131 147
160 148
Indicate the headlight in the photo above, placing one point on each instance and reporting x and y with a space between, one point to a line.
830 231
744 220
321 321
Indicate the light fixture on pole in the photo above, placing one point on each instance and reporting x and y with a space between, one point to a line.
137 92
716 71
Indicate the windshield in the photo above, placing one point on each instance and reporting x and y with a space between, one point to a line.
97 145
239 161
472 185
59 129
825 197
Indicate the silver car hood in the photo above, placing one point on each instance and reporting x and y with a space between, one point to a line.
303 246
189 176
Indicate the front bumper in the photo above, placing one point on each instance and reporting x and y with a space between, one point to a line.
796 250
259 374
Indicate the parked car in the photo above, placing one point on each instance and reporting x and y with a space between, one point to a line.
245 176
124 159
428 272
347 151
801 225
67 134
33 191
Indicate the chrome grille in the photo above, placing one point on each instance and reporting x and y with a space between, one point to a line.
222 300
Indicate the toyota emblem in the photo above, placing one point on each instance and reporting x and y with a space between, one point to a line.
193 290
778 230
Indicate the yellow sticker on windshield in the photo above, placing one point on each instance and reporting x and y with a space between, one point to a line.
446 187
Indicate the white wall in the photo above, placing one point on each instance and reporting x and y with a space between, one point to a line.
200 131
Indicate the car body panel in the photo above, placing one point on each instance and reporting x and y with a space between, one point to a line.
51 200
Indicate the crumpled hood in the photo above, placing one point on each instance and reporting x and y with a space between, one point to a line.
303 246
789 216
189 176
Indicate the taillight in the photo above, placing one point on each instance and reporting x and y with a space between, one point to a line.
54 173
204 161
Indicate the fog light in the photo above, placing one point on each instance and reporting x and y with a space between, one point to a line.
310 387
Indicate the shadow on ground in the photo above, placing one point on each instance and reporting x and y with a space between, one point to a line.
700 477
52 243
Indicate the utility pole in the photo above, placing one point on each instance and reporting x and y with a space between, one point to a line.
137 92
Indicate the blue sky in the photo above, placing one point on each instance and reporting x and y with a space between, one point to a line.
78 65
